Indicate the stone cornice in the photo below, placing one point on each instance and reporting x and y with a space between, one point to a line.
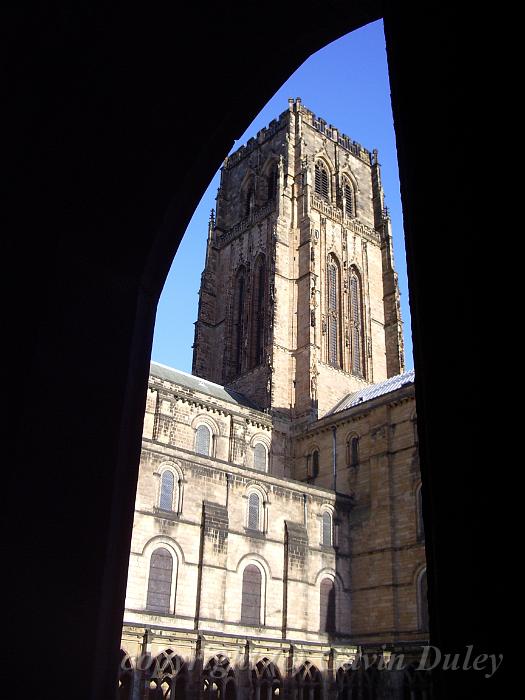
255 216
354 225
191 459
250 415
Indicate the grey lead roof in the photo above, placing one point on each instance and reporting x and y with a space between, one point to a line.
357 398
189 381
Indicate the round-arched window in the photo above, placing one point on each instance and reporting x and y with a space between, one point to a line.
259 457
203 440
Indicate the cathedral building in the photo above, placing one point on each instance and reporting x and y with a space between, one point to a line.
278 533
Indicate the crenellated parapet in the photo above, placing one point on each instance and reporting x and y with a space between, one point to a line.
262 136
332 132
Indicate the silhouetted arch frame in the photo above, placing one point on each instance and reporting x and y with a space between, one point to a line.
141 302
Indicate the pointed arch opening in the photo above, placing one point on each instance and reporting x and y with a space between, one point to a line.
356 324
258 316
266 680
272 181
322 180
237 340
219 679
308 682
169 677
348 198
333 312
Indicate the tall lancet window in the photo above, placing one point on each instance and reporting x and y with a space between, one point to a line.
272 182
356 312
258 296
348 193
249 201
238 322
322 186
333 313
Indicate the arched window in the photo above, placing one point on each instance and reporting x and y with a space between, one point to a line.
238 322
258 309
249 201
219 679
159 581
419 515
259 457
308 682
169 677
326 532
423 601
203 440
315 464
356 317
254 512
352 451
348 194
327 618
333 312
272 182
266 680
322 186
251 596
167 489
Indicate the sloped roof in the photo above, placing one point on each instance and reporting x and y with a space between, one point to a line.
357 398
189 381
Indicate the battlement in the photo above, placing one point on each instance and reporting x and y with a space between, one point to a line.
318 123
262 135
332 132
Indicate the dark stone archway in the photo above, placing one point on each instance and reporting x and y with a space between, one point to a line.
114 131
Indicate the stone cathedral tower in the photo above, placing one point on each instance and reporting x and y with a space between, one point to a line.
278 534
299 302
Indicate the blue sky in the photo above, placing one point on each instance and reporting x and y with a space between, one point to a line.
346 83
